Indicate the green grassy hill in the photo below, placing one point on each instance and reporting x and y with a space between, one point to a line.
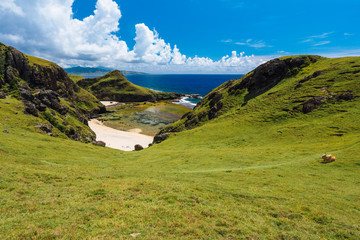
246 168
115 87
61 107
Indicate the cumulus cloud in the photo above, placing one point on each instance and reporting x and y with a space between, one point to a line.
10 6
46 28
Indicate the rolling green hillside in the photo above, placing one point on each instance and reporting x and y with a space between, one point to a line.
115 87
246 168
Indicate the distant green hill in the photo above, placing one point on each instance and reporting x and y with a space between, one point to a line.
281 89
115 87
95 71
245 164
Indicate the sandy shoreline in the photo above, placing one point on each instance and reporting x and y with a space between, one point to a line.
119 139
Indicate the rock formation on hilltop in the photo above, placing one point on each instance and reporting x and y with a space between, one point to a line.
47 92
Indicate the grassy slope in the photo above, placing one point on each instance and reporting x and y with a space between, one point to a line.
115 83
114 86
75 78
247 174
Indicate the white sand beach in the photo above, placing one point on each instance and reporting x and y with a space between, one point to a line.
109 103
119 139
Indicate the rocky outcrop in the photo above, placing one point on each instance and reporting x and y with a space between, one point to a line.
40 101
43 86
161 137
313 104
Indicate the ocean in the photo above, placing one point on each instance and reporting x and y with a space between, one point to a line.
200 84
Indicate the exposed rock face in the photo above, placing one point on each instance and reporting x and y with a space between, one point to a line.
40 101
313 104
271 73
47 128
50 77
161 137
43 85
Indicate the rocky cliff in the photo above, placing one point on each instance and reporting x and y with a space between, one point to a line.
47 92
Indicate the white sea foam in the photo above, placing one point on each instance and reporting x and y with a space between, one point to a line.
185 102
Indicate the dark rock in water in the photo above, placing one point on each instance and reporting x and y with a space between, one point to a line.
2 95
47 128
313 104
138 147
99 143
192 96
6 131
161 137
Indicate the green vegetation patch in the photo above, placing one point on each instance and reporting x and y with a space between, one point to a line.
253 172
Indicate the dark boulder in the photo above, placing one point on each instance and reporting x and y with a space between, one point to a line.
30 108
347 96
138 147
6 131
313 104
99 143
161 137
46 128
2 95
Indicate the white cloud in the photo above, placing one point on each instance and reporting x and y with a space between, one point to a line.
10 6
46 28
226 41
321 43
315 40
253 44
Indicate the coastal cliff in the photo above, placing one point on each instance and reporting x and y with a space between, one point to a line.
48 93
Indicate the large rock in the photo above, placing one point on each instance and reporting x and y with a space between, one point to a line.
47 128
138 147
99 143
161 137
313 104
2 95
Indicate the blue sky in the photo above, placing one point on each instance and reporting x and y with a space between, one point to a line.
141 35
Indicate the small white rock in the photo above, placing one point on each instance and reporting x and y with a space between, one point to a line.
134 235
